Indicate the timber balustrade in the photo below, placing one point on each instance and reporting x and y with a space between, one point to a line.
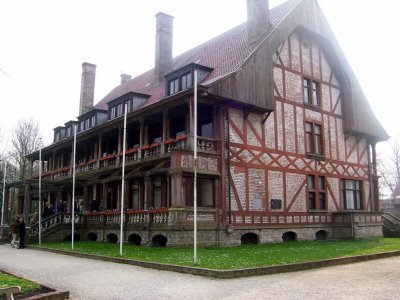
137 154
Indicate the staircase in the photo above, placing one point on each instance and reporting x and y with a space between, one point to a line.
391 225
52 225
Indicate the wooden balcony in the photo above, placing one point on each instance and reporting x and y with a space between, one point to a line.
155 150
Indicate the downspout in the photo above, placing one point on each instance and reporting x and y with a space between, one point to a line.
371 193
375 177
228 145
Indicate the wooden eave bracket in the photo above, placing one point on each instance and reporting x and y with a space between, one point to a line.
245 113
265 117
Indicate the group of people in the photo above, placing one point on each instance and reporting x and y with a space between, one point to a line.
18 229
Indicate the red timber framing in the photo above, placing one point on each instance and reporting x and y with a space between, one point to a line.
268 155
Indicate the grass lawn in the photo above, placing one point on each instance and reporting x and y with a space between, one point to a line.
27 286
239 257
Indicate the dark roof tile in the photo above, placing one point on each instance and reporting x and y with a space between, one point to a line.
224 54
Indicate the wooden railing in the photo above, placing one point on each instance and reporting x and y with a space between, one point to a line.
154 150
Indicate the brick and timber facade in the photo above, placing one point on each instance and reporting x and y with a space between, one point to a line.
286 143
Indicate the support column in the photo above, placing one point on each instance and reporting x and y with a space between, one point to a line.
100 146
6 206
148 192
27 203
85 198
168 183
190 138
176 190
54 166
141 138
120 133
105 197
164 130
375 178
177 208
20 203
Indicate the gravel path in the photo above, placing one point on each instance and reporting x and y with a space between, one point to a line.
92 279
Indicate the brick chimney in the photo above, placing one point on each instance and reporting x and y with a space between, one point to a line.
125 78
257 19
163 63
87 87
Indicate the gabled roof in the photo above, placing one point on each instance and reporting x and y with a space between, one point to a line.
224 53
232 58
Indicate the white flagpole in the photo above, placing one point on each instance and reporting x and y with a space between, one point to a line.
73 191
123 183
4 193
195 171
40 191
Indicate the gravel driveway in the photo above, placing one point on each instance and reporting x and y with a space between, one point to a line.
92 279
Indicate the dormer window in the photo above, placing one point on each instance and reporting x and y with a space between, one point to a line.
119 110
180 83
182 79
173 86
112 112
186 81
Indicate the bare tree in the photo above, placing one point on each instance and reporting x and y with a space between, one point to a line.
389 169
25 140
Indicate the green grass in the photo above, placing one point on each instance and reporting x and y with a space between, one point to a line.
27 286
238 257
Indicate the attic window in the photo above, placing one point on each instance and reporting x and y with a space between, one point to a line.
180 83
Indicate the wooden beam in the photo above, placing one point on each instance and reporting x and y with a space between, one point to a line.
245 113
265 118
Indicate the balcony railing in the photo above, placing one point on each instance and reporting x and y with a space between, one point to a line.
136 154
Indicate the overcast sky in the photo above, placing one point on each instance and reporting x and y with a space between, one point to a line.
44 42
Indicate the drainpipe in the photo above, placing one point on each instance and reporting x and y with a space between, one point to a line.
371 192
352 225
228 145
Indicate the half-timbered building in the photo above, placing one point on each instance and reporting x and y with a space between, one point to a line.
286 142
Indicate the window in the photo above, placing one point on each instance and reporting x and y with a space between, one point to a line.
173 86
311 92
316 192
69 131
351 193
87 123
119 110
186 81
93 121
82 125
112 113
180 83
314 138
57 137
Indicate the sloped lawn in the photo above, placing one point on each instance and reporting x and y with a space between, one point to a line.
27 286
239 257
